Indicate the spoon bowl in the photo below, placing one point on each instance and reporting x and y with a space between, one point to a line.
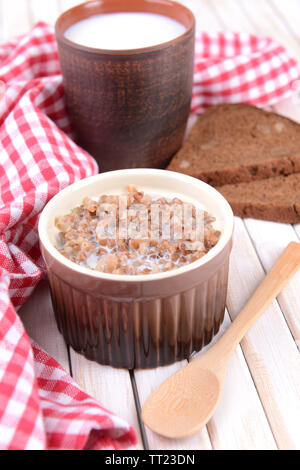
175 409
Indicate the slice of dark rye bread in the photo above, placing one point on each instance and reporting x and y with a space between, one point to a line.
275 199
234 143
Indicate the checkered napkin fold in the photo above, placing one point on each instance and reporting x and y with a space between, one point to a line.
40 405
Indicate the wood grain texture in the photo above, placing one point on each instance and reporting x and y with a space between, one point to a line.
269 348
111 387
288 14
38 318
47 11
269 239
267 23
15 18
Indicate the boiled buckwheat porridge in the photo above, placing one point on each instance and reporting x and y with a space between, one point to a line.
92 234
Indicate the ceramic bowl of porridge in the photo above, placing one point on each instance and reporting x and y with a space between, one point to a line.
137 262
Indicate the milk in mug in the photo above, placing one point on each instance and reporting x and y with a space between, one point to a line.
124 30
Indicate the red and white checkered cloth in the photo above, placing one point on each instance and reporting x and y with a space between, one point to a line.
241 68
40 405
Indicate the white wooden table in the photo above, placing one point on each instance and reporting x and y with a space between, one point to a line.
260 406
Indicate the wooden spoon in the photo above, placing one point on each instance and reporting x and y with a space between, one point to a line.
184 403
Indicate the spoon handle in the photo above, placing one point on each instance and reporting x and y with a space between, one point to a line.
285 267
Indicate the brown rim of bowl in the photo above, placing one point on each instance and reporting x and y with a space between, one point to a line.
226 233
65 20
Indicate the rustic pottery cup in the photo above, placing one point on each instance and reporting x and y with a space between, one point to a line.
138 321
129 108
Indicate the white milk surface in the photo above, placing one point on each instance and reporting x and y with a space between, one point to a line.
124 30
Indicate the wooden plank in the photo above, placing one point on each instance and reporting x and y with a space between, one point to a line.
64 5
289 14
269 348
38 318
147 381
205 18
236 17
232 16
111 387
239 421
270 239
15 17
260 17
43 11
267 23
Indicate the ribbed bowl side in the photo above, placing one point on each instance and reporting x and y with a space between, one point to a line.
140 333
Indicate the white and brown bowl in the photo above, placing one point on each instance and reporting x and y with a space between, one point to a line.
138 321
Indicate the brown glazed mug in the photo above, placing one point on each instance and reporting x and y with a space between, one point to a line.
129 108
138 321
